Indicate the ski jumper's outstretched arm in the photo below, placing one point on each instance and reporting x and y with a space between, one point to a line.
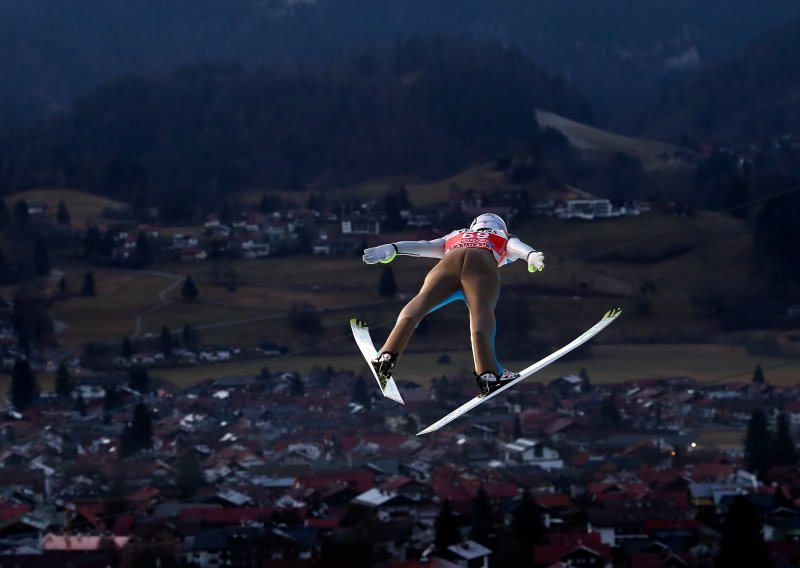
387 253
517 250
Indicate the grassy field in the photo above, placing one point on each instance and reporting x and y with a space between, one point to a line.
591 267
578 285
708 364
108 316
84 208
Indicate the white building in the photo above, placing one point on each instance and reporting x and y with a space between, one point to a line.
357 225
529 452
586 209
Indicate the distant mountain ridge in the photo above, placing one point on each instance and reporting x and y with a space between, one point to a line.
618 51
752 97
426 108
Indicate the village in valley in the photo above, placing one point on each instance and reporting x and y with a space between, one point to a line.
278 468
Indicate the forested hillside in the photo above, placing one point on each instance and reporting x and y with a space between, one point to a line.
181 139
752 97
620 52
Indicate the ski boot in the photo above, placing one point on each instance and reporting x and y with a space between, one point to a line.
383 365
490 381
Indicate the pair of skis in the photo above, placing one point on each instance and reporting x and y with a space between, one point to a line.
389 389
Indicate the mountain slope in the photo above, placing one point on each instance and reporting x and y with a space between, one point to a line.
618 51
752 97
428 108
585 137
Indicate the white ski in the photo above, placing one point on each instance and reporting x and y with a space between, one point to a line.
609 317
364 341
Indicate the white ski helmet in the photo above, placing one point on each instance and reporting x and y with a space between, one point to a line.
489 221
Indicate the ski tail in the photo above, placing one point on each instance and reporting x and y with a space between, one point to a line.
364 341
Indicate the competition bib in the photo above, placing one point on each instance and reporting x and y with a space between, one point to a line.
489 240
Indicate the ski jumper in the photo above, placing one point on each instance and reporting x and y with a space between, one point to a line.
469 271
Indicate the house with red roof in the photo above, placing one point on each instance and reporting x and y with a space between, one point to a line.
572 549
409 487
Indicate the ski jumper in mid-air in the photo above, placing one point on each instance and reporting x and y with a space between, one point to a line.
468 270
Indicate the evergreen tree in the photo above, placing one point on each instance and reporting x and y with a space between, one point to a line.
63 386
610 412
189 290
526 520
167 341
523 209
62 216
126 349
138 379
742 541
446 528
387 287
190 336
393 221
482 518
5 269
24 389
402 198
41 258
111 402
138 435
21 212
142 427
525 530
88 288
757 443
584 375
783 450
225 214
297 388
517 427
361 393
143 249
758 376
80 405
108 241
190 475
314 201
93 243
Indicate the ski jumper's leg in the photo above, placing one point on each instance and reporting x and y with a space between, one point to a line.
459 295
480 279
440 283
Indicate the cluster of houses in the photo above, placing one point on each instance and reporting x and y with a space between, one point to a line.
177 356
289 470
341 230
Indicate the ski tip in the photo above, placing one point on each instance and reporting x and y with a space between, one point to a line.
611 314
355 322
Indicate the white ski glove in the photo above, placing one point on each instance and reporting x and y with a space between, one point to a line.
535 261
382 253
